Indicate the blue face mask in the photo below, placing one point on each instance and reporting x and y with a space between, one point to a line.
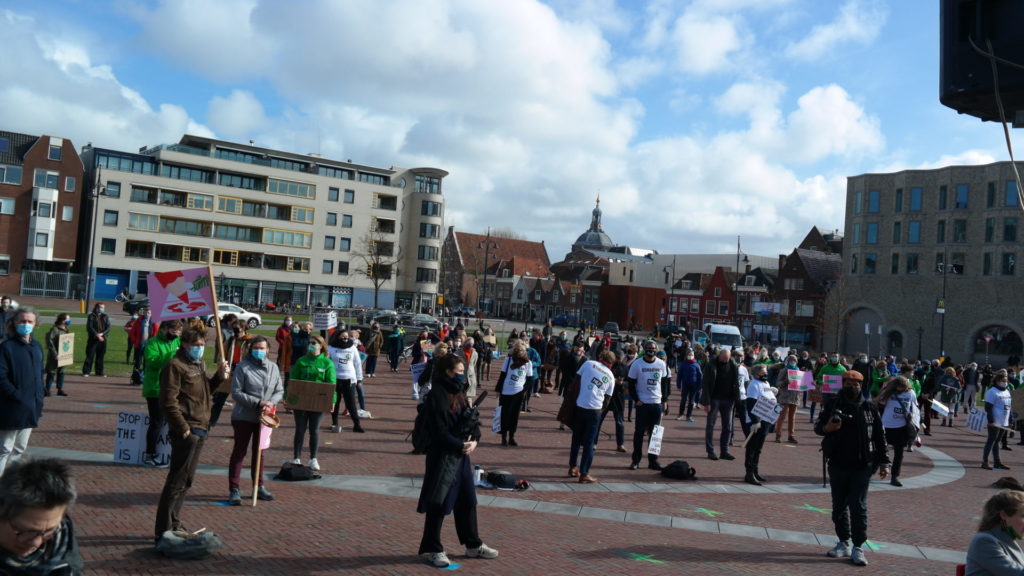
196 352
67 322
25 329
259 354
460 378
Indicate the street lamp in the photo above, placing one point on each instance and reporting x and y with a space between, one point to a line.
736 285
222 282
90 273
920 336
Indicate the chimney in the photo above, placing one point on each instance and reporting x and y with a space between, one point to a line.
748 269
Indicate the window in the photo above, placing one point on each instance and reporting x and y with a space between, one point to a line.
287 238
184 227
429 208
794 283
333 194
853 263
7 206
296 189
914 232
328 267
334 172
873 201
373 178
69 183
332 219
5 144
1010 229
940 231
146 222
990 195
346 220
897 232
986 264
189 174
126 163
894 267
695 306
428 185
225 257
990 229
856 233
956 263
385 202
302 215
870 263
5 265
344 244
112 190
10 175
427 252
898 201
872 233
350 196
108 245
709 307
342 268
718 292
54 153
963 192
858 199
912 263
1009 264
46 179
940 262
110 217
239 181
723 307
429 230
42 239
1011 197
229 204
197 255
942 197
241 233
329 242
200 202
915 199
44 209
960 231
146 195
426 275
67 213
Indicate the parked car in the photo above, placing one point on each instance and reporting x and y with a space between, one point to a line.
565 320
425 320
666 330
251 319
611 327
132 306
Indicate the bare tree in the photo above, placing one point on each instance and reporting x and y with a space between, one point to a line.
508 233
380 257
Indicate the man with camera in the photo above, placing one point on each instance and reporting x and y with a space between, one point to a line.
854 447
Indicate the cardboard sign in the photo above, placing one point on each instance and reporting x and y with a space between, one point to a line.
657 433
800 380
977 420
492 340
325 320
66 350
767 408
496 421
417 370
130 439
310 396
831 383
428 348
180 293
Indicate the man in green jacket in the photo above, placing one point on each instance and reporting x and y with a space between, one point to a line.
157 353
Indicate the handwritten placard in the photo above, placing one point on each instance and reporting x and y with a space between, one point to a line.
657 433
767 408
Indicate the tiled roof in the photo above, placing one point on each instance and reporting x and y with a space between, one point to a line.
473 248
820 266
18 146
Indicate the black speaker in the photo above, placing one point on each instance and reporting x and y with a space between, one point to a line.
965 76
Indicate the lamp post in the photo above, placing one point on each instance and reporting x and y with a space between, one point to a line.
222 282
90 273
920 336
736 285
483 300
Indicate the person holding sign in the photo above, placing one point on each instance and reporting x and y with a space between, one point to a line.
900 420
853 447
649 386
515 373
55 372
997 408
315 366
830 378
788 399
757 388
595 385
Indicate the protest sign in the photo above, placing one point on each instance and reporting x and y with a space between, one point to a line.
654 447
767 408
831 383
65 350
130 439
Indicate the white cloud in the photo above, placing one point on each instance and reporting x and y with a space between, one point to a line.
240 115
704 42
965 158
858 22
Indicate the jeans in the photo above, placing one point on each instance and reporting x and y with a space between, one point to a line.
360 396
370 368
995 436
716 407
13 444
95 350
898 439
305 419
55 376
244 433
156 423
691 396
615 406
184 458
510 405
584 433
647 417
850 502
345 390
740 409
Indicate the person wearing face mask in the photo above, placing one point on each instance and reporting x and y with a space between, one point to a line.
756 389
649 385
899 409
833 367
374 344
236 351
720 392
854 447
348 368
617 404
129 326
865 367
595 386
788 400
158 352
55 373
994 550
515 375
142 331
97 325
689 377
283 337
997 412
21 385
256 388
315 366
186 391
467 351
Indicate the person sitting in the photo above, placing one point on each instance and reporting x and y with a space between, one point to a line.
994 550
36 533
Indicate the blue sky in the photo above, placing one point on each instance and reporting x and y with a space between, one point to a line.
695 121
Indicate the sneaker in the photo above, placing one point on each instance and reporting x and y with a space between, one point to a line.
727 456
620 448
680 418
234 499
63 393
314 465
536 394
1001 467
335 428
689 420
634 466
150 460
297 461
437 559
857 557
841 550
712 456
264 494
484 551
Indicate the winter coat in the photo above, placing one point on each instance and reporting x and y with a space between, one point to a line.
254 381
21 383
449 472
186 392
689 374
374 343
52 345
157 354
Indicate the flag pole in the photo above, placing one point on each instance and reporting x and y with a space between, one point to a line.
216 316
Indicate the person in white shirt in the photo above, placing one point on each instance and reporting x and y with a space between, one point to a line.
649 386
515 373
755 390
899 408
997 408
741 404
348 368
596 382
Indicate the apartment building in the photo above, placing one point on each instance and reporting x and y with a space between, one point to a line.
277 227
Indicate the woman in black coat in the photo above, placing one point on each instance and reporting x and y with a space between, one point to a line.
448 481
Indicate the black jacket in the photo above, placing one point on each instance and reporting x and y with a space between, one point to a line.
711 374
448 471
866 448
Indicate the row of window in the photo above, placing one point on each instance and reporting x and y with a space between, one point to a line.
1004 263
10 174
958 233
157 251
169 225
961 198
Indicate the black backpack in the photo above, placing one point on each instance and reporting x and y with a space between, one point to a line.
291 472
421 439
679 470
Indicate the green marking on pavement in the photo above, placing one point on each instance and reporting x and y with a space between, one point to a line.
706 512
874 546
645 558
814 509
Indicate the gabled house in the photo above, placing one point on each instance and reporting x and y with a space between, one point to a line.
805 276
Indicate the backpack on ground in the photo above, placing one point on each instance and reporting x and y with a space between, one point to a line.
292 472
189 546
502 480
679 470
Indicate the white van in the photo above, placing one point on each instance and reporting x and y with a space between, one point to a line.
724 335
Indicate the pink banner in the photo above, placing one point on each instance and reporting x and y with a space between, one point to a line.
180 294
832 383
800 380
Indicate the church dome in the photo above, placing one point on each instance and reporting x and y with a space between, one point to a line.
594 237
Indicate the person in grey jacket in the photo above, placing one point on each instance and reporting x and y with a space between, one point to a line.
256 388
994 550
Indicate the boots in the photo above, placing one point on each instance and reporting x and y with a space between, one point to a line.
512 439
504 438
757 474
750 478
